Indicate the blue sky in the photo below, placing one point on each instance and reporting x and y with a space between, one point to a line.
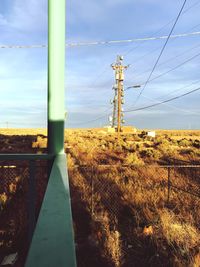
89 77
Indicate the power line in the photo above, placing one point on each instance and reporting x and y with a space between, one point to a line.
93 120
190 29
105 68
170 70
142 108
164 26
101 74
161 52
134 40
180 109
177 90
170 59
176 67
180 35
156 49
22 46
180 89
165 101
96 119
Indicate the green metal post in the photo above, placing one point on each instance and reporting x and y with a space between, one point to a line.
56 76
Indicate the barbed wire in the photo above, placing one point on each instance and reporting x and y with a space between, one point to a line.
79 44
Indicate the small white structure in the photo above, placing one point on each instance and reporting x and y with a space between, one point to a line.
151 133
109 129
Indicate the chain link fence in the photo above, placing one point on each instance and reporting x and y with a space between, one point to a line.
122 201
105 182
22 187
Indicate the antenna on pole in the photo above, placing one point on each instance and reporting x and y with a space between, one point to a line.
118 100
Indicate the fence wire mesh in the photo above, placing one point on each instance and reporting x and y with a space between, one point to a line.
22 187
123 199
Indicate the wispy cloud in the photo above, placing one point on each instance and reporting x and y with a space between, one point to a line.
29 15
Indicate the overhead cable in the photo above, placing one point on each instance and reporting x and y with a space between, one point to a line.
170 70
79 44
165 101
164 26
180 109
161 52
96 119
168 60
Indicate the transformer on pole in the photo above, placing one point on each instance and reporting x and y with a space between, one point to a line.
118 100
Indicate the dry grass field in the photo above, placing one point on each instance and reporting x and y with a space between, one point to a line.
125 211
120 194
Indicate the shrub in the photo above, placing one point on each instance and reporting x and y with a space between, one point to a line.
187 152
132 158
196 143
137 138
151 153
131 147
160 140
184 235
184 142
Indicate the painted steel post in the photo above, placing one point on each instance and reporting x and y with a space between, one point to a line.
56 76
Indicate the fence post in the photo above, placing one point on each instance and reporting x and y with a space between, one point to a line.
92 191
31 200
168 183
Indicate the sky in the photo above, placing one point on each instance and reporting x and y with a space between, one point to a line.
89 76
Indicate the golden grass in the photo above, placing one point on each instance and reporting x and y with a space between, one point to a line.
142 190
184 235
130 203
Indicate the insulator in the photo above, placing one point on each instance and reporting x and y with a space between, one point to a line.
122 94
122 101
111 101
122 114
123 121
122 109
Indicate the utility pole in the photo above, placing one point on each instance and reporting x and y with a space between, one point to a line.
119 92
114 102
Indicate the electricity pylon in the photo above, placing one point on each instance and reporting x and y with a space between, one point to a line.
118 100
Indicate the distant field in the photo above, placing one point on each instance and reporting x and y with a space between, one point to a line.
23 131
174 133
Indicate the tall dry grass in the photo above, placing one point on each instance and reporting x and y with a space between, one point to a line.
130 208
